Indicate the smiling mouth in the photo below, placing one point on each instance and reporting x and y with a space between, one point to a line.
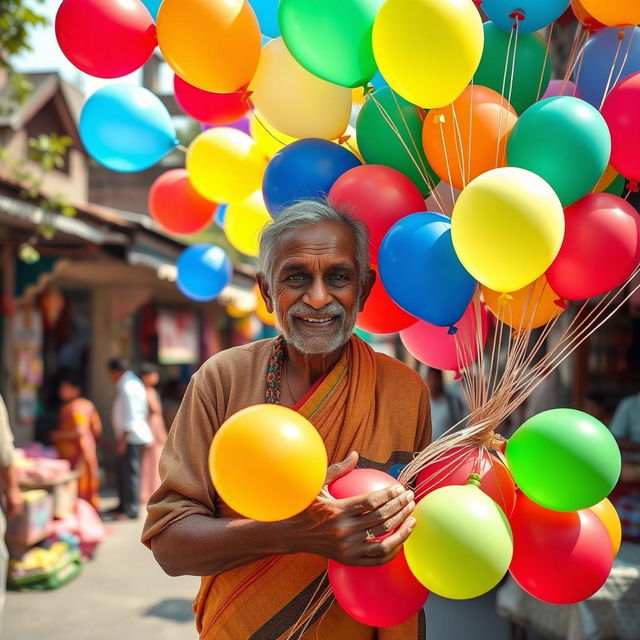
316 322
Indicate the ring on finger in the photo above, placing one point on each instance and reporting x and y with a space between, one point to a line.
370 537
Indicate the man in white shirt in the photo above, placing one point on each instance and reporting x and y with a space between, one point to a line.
130 422
625 427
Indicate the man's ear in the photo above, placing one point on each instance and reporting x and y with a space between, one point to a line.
265 292
366 291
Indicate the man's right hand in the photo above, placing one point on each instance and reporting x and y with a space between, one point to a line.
338 529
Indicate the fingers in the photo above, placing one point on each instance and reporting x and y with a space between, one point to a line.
375 553
341 468
371 501
388 517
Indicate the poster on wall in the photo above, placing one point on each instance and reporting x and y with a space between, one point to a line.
27 340
177 337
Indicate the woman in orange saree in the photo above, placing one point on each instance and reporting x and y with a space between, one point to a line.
79 426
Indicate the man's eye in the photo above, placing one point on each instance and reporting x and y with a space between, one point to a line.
340 276
296 276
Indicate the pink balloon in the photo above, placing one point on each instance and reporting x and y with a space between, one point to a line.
360 481
381 596
620 110
211 108
437 348
556 88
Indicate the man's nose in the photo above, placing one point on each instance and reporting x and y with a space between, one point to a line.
317 295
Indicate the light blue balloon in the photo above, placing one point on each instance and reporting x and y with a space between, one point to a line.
267 13
204 270
378 81
126 128
221 214
591 73
153 6
537 13
421 271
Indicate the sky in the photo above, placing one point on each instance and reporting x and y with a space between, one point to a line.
46 56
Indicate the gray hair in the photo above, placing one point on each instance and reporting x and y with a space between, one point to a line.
309 212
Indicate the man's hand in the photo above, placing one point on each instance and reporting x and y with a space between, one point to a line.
337 529
121 445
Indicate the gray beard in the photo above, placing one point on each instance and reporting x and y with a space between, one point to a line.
316 345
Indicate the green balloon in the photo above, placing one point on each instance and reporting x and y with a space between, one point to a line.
565 141
617 186
331 38
564 459
530 52
397 145
461 546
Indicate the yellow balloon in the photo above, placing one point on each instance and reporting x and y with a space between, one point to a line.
507 227
609 516
225 165
267 462
267 137
244 222
188 31
609 175
428 50
295 101
614 13
262 312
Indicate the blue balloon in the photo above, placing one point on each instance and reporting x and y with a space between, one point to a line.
421 271
126 128
591 73
378 81
267 13
536 13
221 213
204 270
304 169
153 6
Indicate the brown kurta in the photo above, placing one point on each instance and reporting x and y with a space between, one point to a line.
369 403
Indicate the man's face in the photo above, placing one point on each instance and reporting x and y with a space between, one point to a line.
315 289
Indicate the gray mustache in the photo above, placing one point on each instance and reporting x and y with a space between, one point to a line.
333 309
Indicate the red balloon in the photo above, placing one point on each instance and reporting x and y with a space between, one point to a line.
559 557
377 195
104 38
207 107
437 348
620 110
381 314
601 247
177 206
381 596
456 467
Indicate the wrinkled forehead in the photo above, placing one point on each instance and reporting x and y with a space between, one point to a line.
325 243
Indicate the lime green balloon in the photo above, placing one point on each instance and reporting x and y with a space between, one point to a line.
564 459
529 63
565 141
389 132
331 38
461 546
617 186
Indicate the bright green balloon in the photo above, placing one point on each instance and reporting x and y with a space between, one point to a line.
331 38
397 145
461 546
617 186
530 58
565 141
564 459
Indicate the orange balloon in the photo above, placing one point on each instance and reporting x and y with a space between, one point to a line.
528 308
585 18
261 309
609 175
609 516
614 13
471 127
214 46
267 462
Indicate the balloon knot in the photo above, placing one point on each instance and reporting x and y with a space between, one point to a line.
474 479
452 330
632 185
457 375
505 298
439 119
621 34
343 139
517 16
367 89
560 303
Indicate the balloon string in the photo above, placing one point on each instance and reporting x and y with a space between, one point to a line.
470 128
446 155
254 113
613 65
181 147
626 57
546 58
459 146
577 53
504 84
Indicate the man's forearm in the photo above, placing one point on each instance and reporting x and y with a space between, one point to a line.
201 546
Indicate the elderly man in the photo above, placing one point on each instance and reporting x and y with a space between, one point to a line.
259 578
